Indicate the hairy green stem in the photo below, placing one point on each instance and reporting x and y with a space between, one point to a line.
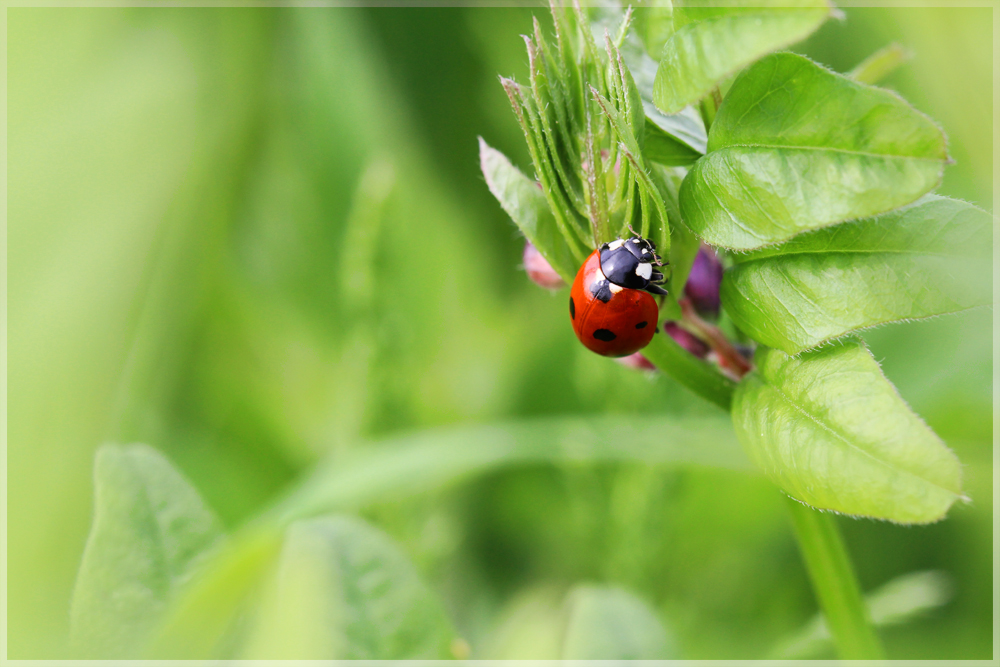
697 375
834 583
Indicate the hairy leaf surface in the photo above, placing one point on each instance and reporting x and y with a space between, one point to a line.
715 40
797 147
832 431
524 202
931 258
150 529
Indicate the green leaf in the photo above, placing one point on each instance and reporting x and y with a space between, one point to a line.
525 203
150 531
931 258
430 459
662 147
609 623
796 147
342 590
831 430
715 40
200 621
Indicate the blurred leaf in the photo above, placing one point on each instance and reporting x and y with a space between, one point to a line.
898 601
880 64
796 147
609 623
430 459
525 203
829 429
931 258
711 42
202 617
342 590
150 531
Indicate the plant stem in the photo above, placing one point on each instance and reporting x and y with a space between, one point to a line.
729 357
834 583
699 376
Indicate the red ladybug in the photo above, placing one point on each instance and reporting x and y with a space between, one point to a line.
610 305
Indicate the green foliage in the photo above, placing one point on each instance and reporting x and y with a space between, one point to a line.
796 147
903 599
931 258
712 41
341 590
150 531
608 623
830 430
433 459
308 302
525 203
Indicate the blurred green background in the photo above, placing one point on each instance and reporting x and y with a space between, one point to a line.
252 237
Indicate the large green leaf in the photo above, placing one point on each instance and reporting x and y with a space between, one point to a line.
796 147
931 258
343 590
714 40
831 430
427 460
525 203
609 623
150 530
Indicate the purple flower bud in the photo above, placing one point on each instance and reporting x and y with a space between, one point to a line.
703 282
686 339
637 361
539 269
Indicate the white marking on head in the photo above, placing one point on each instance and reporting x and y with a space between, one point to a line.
614 288
615 244
644 270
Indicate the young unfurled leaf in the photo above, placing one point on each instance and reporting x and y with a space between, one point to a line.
797 147
931 258
608 623
150 530
343 590
715 40
685 128
830 430
525 203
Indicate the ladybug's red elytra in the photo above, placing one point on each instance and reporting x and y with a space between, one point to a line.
610 305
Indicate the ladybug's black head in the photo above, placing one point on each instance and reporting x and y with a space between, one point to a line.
629 263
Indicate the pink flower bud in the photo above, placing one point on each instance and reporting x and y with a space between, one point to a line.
539 269
686 339
703 282
637 361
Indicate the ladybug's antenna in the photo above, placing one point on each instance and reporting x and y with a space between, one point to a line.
629 225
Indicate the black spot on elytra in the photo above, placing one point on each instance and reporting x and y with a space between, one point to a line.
605 335
572 309
641 325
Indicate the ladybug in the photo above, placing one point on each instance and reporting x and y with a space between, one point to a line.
610 305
